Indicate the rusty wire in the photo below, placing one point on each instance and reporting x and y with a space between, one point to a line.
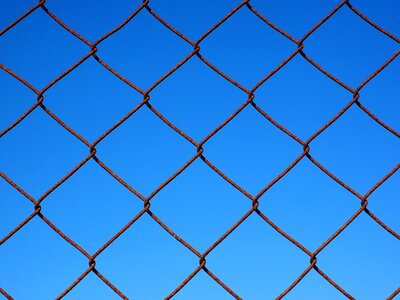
199 145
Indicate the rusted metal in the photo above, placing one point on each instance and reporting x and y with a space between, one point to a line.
200 145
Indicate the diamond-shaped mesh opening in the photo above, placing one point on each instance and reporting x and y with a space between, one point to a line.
252 136
83 99
366 253
146 243
92 286
347 53
184 101
386 88
202 287
350 137
305 193
314 286
16 100
301 106
14 208
100 16
193 18
144 143
39 50
199 188
384 204
144 50
33 145
241 52
255 250
83 207
294 17
39 260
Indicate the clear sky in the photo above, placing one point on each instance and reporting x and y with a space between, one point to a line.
146 262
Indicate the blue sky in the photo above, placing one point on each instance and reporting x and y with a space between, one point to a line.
146 262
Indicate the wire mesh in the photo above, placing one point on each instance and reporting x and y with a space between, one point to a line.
200 146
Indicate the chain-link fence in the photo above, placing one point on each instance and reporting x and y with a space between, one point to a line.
199 146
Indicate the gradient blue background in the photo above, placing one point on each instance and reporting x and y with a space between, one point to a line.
146 262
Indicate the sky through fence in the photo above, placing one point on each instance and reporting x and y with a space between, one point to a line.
199 149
